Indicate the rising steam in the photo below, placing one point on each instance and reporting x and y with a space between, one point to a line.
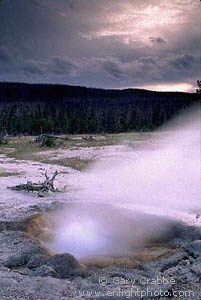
161 174
165 172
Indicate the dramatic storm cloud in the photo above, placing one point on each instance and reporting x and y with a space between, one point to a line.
103 43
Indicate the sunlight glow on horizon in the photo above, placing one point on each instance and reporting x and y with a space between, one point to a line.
176 87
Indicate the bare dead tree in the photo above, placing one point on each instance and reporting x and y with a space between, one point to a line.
198 90
41 188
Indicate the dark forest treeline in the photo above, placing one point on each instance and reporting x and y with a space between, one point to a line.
39 108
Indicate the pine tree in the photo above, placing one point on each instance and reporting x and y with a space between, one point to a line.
198 91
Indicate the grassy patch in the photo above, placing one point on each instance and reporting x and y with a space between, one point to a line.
25 148
75 163
7 173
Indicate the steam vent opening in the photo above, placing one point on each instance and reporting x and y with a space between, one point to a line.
103 234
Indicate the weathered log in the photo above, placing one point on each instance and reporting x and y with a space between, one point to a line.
41 188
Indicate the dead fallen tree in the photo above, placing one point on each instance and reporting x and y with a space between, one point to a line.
42 188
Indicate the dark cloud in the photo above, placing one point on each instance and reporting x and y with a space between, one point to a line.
157 40
32 67
147 60
184 62
112 67
54 67
63 66
106 43
5 56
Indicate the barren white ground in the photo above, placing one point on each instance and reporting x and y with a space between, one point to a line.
69 180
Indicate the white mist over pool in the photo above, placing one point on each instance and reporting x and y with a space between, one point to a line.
80 237
161 174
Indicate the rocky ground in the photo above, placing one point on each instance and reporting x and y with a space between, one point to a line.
29 271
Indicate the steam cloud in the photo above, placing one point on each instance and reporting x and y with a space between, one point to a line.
165 172
161 174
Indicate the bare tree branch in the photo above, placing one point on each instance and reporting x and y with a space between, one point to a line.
42 188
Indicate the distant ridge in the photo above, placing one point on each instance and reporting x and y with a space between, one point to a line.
34 108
